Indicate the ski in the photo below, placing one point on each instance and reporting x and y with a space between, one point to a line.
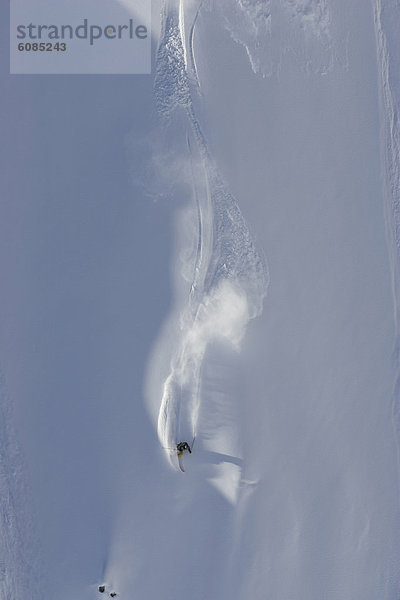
180 463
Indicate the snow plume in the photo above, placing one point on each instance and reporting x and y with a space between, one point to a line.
222 280
222 315
390 126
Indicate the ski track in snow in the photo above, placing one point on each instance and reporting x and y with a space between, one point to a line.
192 55
229 278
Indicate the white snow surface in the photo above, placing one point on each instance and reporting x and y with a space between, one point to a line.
275 153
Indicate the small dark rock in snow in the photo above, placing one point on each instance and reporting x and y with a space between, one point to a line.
102 588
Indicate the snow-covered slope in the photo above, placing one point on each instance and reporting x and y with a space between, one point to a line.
224 267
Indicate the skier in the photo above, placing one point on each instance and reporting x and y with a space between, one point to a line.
181 447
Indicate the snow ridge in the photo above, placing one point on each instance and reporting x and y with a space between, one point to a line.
390 127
